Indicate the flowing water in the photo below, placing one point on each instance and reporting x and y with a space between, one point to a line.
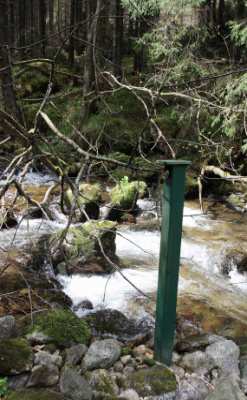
205 240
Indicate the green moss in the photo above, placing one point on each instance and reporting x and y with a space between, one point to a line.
159 379
30 394
15 356
88 193
126 351
149 361
63 327
125 192
84 237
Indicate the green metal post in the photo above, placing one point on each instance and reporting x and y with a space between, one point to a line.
170 245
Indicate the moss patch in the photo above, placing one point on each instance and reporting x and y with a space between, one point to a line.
63 327
15 356
35 395
153 381
125 193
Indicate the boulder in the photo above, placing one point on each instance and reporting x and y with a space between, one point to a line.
17 382
243 373
15 356
63 327
19 266
112 323
155 381
102 354
193 388
224 355
88 200
46 358
7 327
74 354
74 386
44 375
81 250
123 198
227 388
197 361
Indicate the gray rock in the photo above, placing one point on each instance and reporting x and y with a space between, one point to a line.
38 338
197 361
75 353
7 327
243 373
45 358
193 388
18 382
224 355
118 366
227 389
74 386
126 359
102 354
129 394
44 375
113 323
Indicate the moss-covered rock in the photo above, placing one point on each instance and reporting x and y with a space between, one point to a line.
81 250
191 186
63 327
124 196
103 383
15 356
35 395
88 200
124 193
153 381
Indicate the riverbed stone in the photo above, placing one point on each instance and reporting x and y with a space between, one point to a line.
227 388
75 353
74 386
113 323
153 381
44 375
197 361
243 373
102 354
81 249
15 356
88 200
45 358
224 355
7 327
193 388
129 394
17 382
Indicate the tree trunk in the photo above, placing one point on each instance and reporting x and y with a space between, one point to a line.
42 25
221 15
22 25
8 91
72 32
118 39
